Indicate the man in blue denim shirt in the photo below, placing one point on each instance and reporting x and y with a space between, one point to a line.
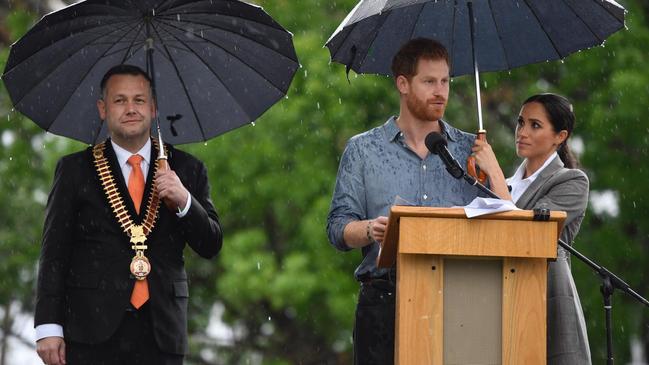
389 161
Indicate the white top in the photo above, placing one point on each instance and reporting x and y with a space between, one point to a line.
56 330
519 185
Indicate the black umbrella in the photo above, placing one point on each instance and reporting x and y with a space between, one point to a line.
216 64
504 34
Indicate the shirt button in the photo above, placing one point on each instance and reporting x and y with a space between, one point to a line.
424 167
425 196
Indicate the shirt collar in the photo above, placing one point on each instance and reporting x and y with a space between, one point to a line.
392 131
123 155
518 176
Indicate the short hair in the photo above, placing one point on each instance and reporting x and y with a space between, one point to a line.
122 69
405 61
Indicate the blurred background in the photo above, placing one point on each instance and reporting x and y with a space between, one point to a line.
278 292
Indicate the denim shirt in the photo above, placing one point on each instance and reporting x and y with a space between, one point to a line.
378 166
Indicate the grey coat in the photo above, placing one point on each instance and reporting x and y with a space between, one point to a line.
559 188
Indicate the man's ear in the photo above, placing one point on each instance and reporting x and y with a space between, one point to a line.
101 107
403 85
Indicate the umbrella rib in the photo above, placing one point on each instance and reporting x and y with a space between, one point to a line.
414 24
130 46
57 66
583 22
169 22
230 53
175 15
600 3
341 43
170 11
374 38
219 78
182 82
86 74
544 30
452 43
498 33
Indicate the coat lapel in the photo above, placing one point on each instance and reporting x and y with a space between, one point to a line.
526 200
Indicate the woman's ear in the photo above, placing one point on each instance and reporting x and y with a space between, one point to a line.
561 137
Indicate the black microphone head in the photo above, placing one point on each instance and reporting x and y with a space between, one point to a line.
434 141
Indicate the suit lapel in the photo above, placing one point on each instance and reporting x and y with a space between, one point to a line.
527 197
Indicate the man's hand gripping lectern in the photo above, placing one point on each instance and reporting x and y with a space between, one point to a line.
470 291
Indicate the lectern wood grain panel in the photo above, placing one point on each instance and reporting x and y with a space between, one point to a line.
422 240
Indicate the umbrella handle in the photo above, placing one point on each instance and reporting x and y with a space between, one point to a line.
163 165
471 167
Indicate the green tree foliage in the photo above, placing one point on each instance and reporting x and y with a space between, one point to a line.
284 295
23 190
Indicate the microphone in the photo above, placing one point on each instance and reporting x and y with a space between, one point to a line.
436 144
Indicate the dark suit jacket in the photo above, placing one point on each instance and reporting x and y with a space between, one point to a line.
559 188
84 281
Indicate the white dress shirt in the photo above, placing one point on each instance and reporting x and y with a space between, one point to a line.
519 185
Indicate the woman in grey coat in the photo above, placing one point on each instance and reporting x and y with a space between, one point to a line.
549 178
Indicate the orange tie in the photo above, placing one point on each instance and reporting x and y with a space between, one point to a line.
136 189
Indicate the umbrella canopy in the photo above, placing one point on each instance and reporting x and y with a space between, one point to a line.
509 33
218 64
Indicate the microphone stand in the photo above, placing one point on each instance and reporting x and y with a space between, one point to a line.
610 281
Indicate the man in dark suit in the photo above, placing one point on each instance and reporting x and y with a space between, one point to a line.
112 288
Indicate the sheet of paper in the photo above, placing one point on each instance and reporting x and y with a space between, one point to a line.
481 206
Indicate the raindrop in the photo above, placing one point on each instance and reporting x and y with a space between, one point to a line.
258 265
253 123
202 34
153 12
269 318
340 101
178 17
204 143
634 204
305 73
11 158
318 105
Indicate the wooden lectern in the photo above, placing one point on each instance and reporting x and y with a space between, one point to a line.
469 291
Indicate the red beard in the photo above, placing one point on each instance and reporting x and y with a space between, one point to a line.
424 110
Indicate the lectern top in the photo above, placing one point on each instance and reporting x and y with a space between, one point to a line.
460 231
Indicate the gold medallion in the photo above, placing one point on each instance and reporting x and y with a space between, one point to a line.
140 266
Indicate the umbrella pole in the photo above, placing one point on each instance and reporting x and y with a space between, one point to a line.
476 73
482 134
162 156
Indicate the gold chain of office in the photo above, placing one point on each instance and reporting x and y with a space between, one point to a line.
136 232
